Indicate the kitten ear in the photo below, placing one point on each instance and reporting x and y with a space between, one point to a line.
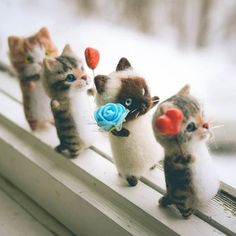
185 91
44 33
67 50
13 42
49 64
123 64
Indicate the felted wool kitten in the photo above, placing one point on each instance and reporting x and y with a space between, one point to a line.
26 55
179 126
67 85
134 147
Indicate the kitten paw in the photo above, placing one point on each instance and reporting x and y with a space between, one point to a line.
55 104
91 92
164 201
60 148
132 180
33 125
186 212
122 133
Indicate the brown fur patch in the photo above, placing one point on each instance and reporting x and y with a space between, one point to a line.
137 90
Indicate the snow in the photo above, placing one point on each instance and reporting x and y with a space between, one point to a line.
210 72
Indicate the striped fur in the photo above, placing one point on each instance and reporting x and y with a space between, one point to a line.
67 85
66 128
190 176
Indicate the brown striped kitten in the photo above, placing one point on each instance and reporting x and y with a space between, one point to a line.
67 84
26 55
180 127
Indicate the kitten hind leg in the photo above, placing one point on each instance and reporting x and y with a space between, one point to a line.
132 180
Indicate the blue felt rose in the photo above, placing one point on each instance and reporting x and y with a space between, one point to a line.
111 116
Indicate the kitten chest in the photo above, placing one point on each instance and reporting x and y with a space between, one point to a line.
82 109
137 152
38 103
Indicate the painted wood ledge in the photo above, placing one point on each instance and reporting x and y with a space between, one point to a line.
90 184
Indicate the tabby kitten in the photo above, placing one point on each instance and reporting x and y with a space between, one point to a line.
26 55
134 147
179 126
67 85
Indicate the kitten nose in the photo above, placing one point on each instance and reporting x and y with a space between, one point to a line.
84 77
40 63
205 126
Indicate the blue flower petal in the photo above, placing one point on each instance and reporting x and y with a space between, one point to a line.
110 116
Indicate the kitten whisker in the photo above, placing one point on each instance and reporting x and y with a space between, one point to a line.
217 126
133 110
137 114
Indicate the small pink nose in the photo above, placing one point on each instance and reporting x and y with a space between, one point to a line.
40 63
205 126
84 77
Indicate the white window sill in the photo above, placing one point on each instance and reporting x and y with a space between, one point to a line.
86 194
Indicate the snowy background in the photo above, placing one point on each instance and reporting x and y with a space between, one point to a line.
170 43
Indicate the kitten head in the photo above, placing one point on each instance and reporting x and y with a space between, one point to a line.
180 119
125 86
64 74
27 54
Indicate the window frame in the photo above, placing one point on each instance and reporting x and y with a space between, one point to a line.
111 205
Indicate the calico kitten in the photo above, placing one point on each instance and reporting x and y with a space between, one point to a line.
67 85
191 179
26 55
134 147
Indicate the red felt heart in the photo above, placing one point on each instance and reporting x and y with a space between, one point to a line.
170 123
92 57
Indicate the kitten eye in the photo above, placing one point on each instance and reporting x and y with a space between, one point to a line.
70 78
59 72
47 53
29 60
128 101
191 127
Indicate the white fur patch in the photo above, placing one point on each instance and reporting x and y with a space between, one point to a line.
83 107
38 54
40 104
205 178
113 86
137 153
